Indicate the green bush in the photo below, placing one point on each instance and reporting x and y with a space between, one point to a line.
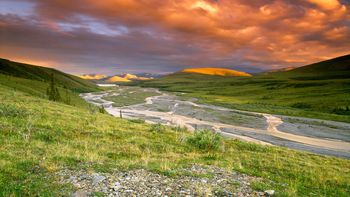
205 140
301 105
157 128
102 110
342 110
179 129
8 110
140 121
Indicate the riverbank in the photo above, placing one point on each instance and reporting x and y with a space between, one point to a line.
318 136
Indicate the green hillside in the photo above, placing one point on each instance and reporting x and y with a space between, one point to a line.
43 74
40 138
319 90
339 65
34 81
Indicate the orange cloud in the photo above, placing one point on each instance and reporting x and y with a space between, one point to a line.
208 31
326 4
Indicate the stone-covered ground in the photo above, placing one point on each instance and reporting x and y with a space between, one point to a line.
194 181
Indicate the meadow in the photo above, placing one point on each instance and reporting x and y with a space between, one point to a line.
323 96
40 137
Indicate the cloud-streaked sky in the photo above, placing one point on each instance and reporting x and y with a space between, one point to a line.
159 36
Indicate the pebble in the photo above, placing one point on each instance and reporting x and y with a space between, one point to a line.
145 183
269 192
96 179
80 193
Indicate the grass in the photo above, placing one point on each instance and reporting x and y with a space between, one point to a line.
295 94
43 74
39 137
38 89
157 128
205 140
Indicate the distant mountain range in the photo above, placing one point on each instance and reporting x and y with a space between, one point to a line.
92 76
119 78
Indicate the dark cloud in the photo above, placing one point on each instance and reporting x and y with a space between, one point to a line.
162 36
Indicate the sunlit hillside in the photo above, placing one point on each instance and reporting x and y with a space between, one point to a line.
117 79
92 76
126 78
217 71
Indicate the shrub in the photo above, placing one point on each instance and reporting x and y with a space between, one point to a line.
139 121
102 110
205 140
52 91
179 129
157 128
8 110
342 110
301 105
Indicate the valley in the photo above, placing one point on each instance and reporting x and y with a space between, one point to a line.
173 109
176 98
68 146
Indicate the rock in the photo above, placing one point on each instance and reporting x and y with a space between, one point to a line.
269 192
168 189
80 193
96 179
116 186
146 183
72 179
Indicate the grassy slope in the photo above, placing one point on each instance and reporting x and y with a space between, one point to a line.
39 137
329 66
38 89
38 73
34 80
314 91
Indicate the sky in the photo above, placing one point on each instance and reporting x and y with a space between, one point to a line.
163 36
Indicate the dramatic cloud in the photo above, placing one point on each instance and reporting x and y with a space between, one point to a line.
111 36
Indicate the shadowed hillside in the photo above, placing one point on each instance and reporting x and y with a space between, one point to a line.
332 66
35 80
38 73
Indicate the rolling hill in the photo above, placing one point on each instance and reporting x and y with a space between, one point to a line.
298 92
34 81
332 66
43 74
217 72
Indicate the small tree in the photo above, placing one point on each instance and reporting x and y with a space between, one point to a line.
52 91
67 100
